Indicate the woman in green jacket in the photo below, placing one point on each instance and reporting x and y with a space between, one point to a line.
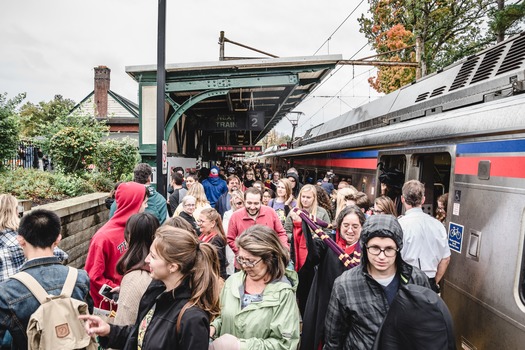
258 304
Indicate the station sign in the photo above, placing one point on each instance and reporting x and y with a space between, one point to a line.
238 148
250 120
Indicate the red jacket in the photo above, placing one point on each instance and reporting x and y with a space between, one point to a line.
108 244
240 221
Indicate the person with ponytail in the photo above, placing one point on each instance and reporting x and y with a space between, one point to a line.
212 232
176 309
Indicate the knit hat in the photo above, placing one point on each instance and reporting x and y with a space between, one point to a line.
214 172
382 226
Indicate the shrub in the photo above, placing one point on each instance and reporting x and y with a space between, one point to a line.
70 185
116 158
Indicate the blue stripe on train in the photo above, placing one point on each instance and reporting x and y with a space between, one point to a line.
492 147
355 154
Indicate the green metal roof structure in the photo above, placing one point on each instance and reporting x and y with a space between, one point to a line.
211 103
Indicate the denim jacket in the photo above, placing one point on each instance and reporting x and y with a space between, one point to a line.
17 303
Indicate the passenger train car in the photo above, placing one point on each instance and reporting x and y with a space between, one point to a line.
461 131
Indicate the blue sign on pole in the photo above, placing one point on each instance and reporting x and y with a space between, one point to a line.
455 237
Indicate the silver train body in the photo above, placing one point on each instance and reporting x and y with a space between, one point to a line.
460 131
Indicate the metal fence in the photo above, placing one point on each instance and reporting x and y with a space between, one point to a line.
29 155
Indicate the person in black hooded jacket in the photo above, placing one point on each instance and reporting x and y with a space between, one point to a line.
296 185
176 309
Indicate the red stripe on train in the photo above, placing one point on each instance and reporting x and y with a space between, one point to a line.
499 166
361 163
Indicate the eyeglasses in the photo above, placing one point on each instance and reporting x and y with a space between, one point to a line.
291 180
189 205
377 211
238 203
247 263
389 252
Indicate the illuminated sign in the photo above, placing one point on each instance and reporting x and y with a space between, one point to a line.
238 148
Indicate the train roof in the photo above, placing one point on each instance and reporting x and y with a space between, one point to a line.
493 73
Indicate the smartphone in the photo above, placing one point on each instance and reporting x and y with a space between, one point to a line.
105 291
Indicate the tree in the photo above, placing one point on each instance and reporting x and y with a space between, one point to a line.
116 158
32 116
8 126
506 20
72 141
448 30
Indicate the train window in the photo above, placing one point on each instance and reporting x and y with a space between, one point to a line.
434 171
392 170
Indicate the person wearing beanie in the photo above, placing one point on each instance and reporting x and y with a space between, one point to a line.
361 296
214 186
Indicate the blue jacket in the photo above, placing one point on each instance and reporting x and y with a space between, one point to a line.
223 204
17 303
214 187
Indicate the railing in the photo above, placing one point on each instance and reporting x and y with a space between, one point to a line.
29 155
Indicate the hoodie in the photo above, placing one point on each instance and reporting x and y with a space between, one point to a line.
298 185
108 244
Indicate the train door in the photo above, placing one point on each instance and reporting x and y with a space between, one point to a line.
433 169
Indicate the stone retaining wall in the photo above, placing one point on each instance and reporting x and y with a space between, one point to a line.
80 217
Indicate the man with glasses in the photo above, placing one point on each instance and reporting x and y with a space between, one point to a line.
425 238
362 296
254 213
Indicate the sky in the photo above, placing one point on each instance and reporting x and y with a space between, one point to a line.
51 47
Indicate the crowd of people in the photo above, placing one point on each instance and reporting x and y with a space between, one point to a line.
241 257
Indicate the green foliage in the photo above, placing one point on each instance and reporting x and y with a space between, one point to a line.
99 181
42 186
8 126
32 116
506 20
72 141
70 185
116 158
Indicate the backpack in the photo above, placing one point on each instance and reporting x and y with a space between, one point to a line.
55 324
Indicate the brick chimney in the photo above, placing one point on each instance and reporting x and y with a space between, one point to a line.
102 81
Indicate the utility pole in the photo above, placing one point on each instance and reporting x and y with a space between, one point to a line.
293 118
161 96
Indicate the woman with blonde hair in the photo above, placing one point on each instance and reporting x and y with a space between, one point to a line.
210 224
258 305
343 196
201 202
297 229
384 205
284 200
236 203
176 310
11 253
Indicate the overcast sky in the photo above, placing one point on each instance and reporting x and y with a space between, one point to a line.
50 47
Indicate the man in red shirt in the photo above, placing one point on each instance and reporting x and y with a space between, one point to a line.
254 213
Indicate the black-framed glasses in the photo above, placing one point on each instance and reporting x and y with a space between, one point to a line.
389 251
247 263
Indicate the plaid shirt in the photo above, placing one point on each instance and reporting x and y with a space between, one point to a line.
12 255
358 306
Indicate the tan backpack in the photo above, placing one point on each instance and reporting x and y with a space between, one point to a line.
55 324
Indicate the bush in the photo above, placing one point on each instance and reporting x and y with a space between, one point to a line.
72 141
70 185
42 186
116 158
100 182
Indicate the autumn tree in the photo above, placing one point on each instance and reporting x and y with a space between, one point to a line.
447 29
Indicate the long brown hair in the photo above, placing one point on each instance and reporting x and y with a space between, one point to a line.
198 261
139 232
214 216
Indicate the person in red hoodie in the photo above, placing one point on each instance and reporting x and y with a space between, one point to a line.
108 244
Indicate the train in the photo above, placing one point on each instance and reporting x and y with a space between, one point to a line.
460 131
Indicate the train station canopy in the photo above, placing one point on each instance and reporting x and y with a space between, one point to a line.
234 101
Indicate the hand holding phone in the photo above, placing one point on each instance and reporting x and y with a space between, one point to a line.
106 292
